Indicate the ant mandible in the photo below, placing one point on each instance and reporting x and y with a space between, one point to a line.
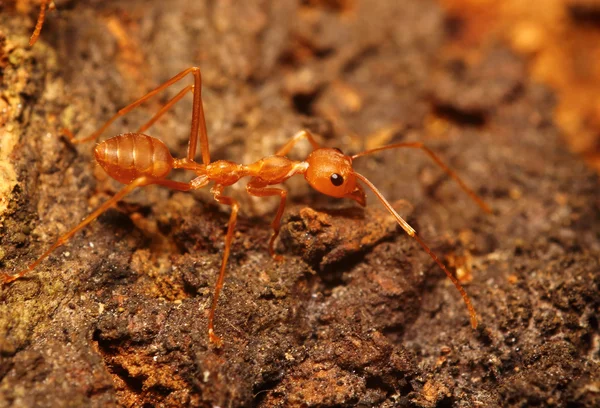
138 160
40 20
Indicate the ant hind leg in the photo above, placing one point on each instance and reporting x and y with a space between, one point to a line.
139 182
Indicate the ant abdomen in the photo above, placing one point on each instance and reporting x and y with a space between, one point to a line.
129 156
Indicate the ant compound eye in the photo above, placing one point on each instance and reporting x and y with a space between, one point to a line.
336 179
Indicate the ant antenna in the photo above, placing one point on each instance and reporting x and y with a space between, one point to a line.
410 230
436 159
40 21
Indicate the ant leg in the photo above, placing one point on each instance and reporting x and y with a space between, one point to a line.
40 22
198 128
126 190
303 134
165 108
411 232
154 118
217 190
439 162
139 182
173 185
258 190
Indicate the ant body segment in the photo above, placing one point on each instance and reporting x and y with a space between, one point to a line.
137 160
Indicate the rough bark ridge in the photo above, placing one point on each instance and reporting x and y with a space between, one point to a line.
357 314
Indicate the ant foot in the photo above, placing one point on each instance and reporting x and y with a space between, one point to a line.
474 322
275 256
69 135
6 278
214 339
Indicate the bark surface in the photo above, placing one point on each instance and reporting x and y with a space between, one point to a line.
357 314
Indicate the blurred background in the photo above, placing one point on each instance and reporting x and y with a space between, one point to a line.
560 40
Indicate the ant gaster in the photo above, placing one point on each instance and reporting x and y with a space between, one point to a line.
138 160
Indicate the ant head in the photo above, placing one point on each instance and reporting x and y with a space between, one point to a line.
330 172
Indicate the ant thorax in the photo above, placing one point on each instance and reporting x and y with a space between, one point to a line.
275 169
225 172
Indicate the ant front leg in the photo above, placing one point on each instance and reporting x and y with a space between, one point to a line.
217 190
303 134
260 190
198 127
139 182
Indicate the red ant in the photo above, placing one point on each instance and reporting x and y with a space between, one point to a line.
138 160
40 20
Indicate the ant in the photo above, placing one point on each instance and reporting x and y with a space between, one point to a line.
137 160
44 4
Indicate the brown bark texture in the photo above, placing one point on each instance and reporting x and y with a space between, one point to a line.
356 314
